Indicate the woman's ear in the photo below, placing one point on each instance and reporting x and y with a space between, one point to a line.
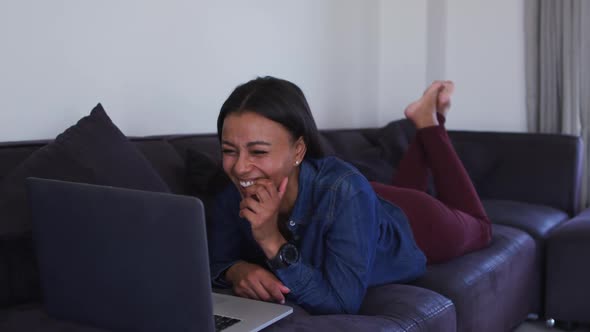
300 149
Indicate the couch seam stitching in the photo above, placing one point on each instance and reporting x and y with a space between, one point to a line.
429 316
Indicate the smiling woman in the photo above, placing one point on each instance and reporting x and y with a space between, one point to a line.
259 155
296 225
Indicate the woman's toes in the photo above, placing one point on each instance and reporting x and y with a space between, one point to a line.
443 102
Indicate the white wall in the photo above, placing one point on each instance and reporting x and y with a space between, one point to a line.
478 44
166 67
485 57
403 56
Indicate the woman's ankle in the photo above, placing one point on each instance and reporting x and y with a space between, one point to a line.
441 118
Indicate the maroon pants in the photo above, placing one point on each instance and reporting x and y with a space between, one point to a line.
453 223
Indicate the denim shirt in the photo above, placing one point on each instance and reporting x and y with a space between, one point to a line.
348 239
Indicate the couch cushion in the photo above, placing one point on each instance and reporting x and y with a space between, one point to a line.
537 220
362 150
32 317
385 308
12 154
206 143
19 276
520 160
205 176
413 308
478 159
491 288
568 272
166 161
91 151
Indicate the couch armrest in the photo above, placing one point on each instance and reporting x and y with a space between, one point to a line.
413 308
535 168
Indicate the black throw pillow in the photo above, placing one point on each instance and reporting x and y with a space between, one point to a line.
205 177
92 151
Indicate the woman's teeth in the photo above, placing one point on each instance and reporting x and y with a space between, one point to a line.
246 184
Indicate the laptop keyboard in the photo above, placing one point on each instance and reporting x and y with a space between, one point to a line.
222 322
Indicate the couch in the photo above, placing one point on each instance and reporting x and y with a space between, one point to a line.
529 185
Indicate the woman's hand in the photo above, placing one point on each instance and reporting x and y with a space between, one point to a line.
254 282
260 206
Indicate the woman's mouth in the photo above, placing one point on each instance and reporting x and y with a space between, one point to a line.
246 184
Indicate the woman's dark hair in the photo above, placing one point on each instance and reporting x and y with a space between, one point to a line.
277 100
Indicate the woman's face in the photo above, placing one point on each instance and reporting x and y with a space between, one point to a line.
254 147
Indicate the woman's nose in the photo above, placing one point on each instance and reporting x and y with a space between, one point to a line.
242 165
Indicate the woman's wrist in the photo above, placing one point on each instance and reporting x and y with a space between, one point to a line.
227 275
271 246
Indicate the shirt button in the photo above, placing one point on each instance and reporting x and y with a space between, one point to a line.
292 223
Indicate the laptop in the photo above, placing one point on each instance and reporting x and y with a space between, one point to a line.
130 260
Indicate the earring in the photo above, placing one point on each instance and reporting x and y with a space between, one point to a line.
296 162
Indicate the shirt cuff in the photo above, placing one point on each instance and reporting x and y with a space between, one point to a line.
295 276
218 274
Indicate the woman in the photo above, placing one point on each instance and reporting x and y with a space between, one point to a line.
311 228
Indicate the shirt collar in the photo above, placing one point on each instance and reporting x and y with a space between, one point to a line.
302 210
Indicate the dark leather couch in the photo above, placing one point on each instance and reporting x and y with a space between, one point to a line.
529 184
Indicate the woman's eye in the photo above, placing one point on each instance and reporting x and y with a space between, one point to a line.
259 152
227 151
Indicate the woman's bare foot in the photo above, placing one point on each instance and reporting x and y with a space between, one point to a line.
422 112
443 103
